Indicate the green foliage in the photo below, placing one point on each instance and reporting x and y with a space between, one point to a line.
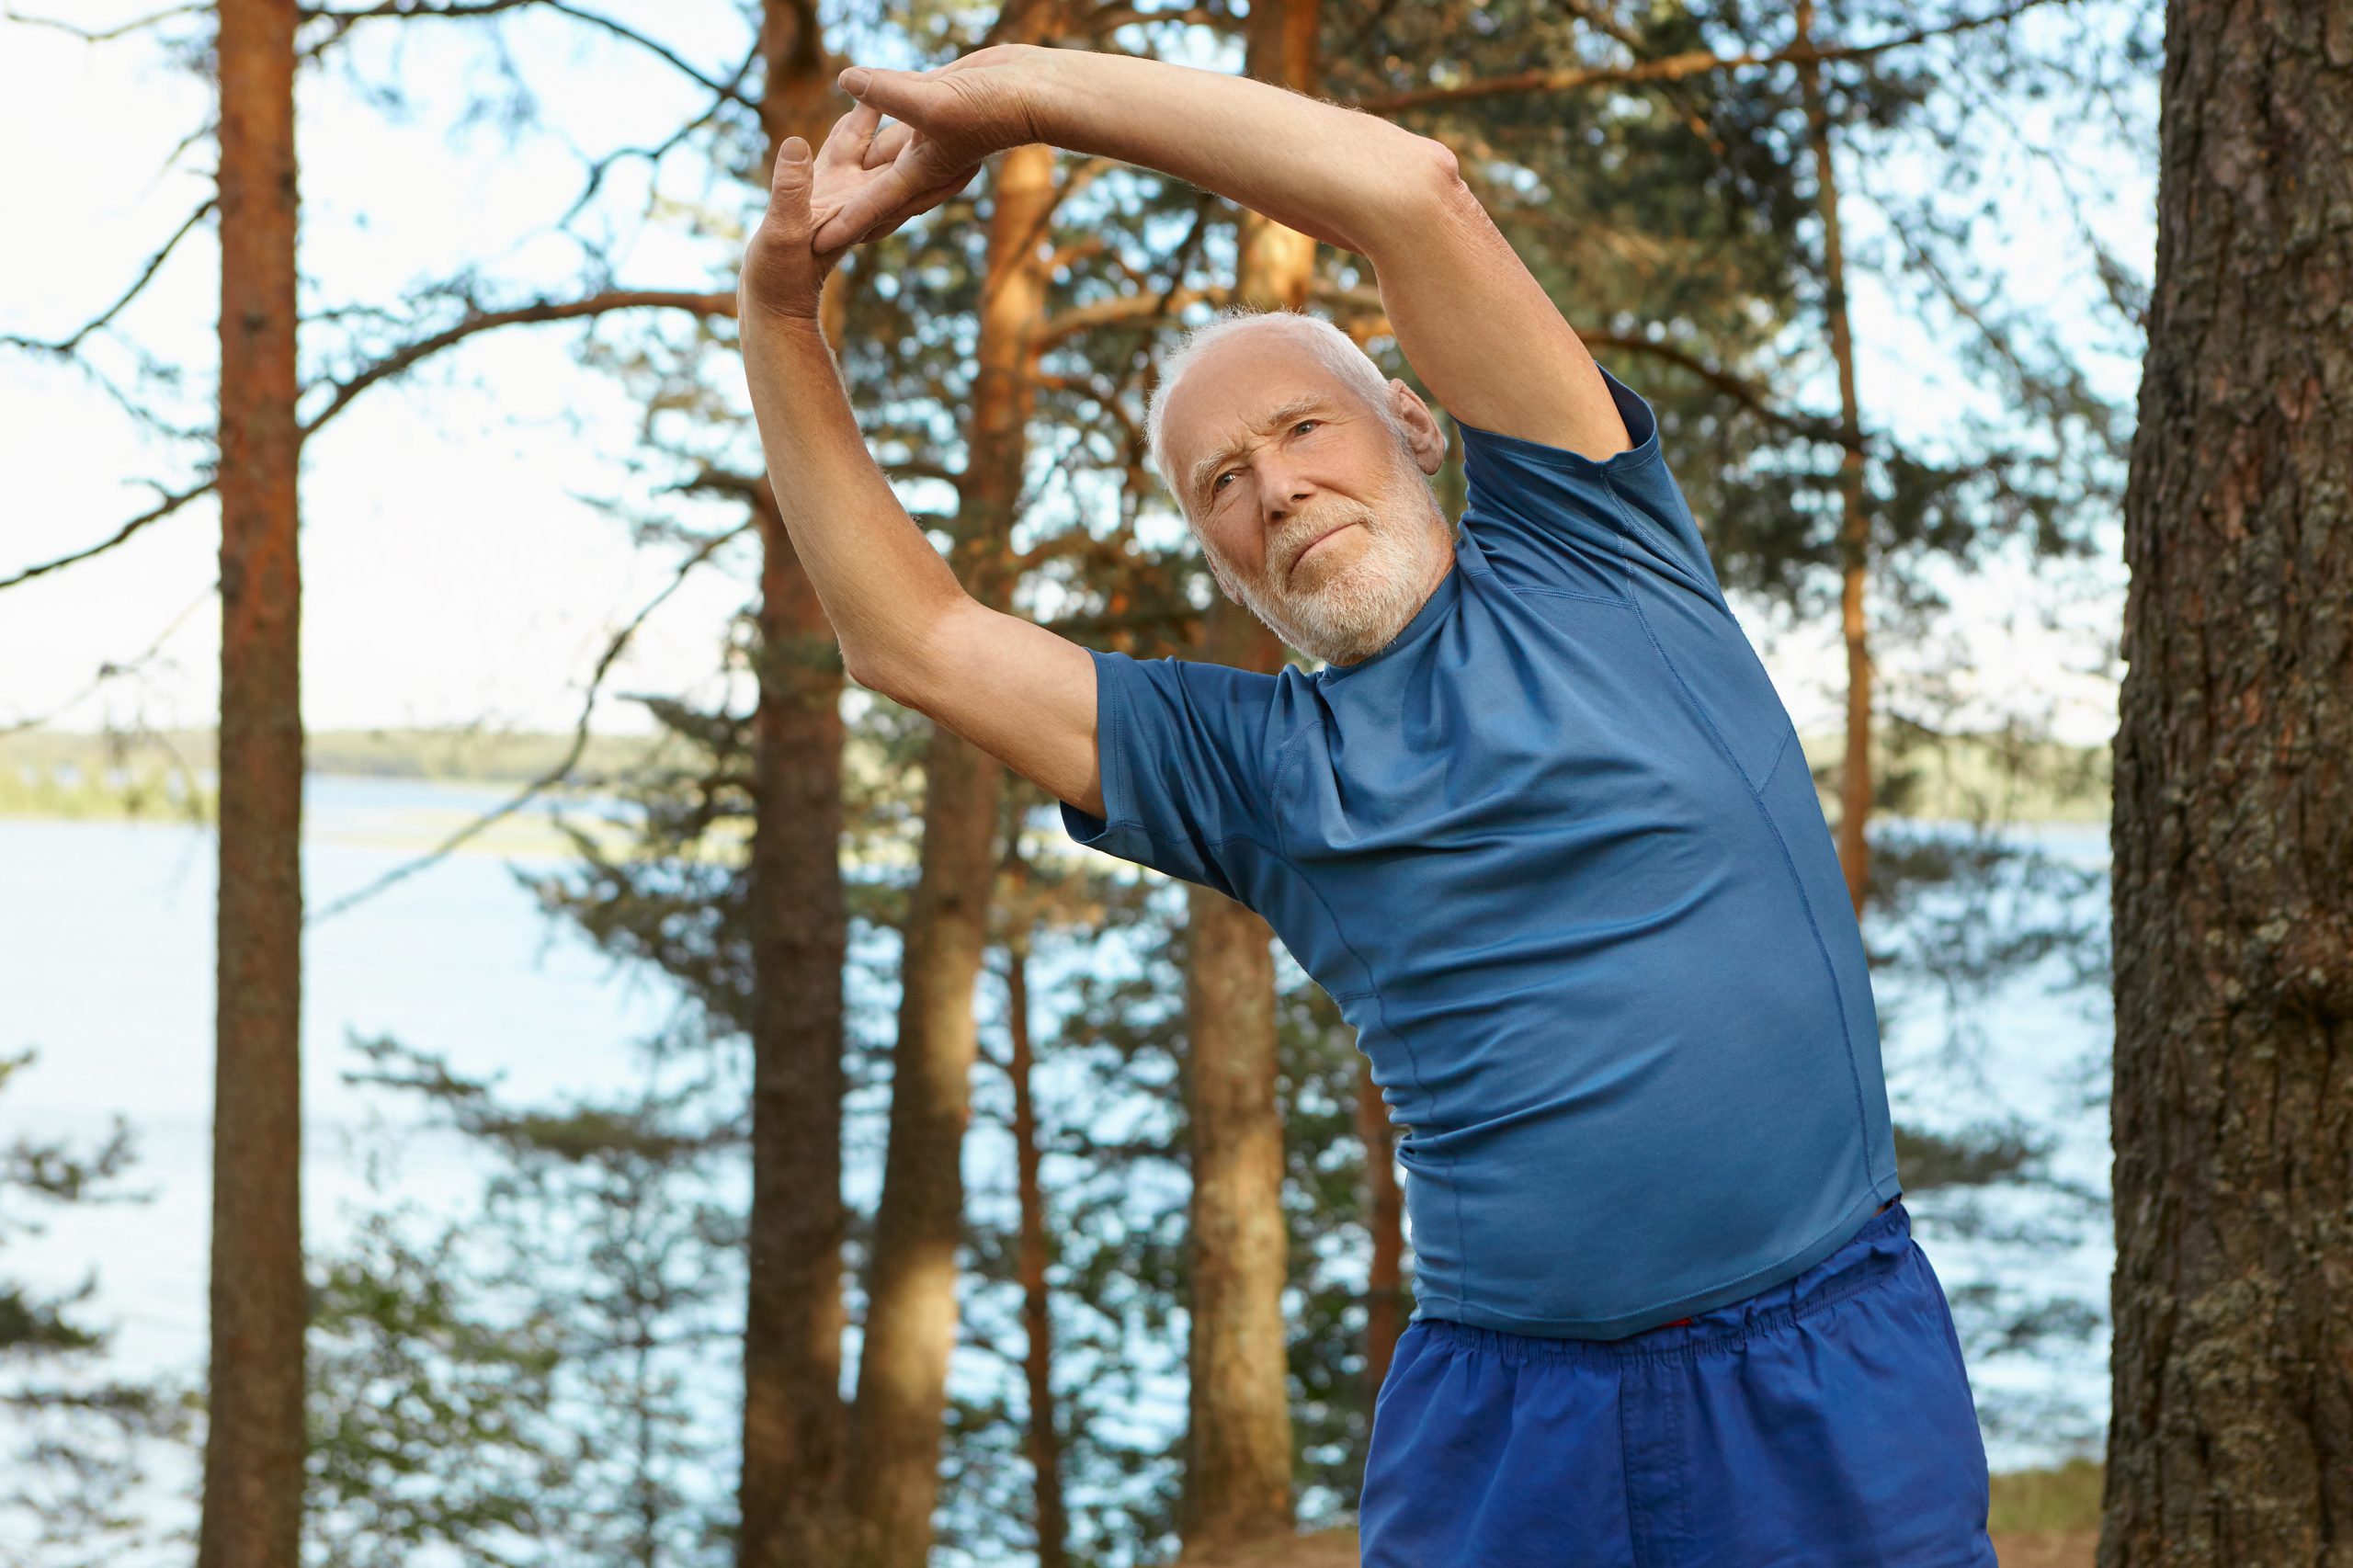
521 1386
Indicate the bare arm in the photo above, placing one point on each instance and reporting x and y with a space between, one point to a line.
1477 328
907 627
1338 174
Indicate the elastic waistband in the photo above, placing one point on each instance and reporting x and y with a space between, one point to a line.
1866 1259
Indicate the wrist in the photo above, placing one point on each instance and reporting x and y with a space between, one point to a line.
1047 90
771 329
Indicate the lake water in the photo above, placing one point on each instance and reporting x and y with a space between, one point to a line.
106 968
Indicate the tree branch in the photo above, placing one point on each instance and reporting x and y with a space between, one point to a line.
67 345
469 10
108 34
571 759
169 504
1669 67
393 364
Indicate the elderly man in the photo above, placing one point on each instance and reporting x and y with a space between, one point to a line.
1540 825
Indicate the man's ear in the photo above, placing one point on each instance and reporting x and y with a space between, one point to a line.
1423 431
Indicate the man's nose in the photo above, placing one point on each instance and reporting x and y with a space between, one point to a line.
1285 493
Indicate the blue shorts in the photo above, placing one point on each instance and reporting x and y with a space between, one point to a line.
1824 1420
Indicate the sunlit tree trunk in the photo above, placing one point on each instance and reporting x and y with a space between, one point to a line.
2231 1437
253 1452
1854 528
1238 1447
912 1308
795 1424
1037 1305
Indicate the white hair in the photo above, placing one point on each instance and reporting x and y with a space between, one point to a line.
1335 349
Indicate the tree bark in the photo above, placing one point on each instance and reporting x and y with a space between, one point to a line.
2231 1437
795 1424
253 1445
912 1308
1238 1441
1037 1305
1854 529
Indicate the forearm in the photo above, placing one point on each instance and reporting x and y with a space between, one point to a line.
881 581
1332 173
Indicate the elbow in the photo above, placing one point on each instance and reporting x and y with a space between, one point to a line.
898 662
884 677
1445 168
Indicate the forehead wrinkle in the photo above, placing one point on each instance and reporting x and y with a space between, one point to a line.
1206 470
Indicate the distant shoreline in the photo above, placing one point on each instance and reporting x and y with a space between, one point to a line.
78 776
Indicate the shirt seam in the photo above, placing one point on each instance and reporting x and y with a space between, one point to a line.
1775 766
1789 863
1413 1057
1462 1249
1531 592
1617 500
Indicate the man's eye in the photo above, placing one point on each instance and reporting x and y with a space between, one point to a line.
1305 422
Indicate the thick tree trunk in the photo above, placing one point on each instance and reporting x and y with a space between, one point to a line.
1854 531
910 1294
1037 1306
254 1444
795 1424
2231 1437
1238 1441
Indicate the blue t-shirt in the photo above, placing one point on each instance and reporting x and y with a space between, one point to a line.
1556 854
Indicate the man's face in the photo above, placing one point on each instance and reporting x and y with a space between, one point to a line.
1311 514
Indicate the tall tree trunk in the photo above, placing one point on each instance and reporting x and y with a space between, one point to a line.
254 1444
1384 1216
2231 1437
910 1294
795 1424
1036 1307
1855 531
1238 1447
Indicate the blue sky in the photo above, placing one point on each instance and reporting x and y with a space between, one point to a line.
458 566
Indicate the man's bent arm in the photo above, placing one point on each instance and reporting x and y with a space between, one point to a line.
1328 172
907 628
882 583
1478 329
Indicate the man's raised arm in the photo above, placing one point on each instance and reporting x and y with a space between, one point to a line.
1477 327
906 626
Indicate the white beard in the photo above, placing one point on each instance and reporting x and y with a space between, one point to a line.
1349 609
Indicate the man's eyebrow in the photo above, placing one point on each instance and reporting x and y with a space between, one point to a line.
1206 470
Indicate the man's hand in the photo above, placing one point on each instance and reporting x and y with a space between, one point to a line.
952 119
783 275
784 269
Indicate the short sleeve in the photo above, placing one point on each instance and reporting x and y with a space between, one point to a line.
1184 747
1551 520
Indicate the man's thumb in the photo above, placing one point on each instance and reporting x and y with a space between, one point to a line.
791 174
889 91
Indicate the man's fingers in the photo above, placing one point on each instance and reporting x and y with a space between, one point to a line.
864 208
887 147
849 145
853 222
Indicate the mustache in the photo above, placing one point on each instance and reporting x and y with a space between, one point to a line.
1299 539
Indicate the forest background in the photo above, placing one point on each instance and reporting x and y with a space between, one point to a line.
536 522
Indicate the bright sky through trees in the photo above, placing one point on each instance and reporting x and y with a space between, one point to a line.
456 566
